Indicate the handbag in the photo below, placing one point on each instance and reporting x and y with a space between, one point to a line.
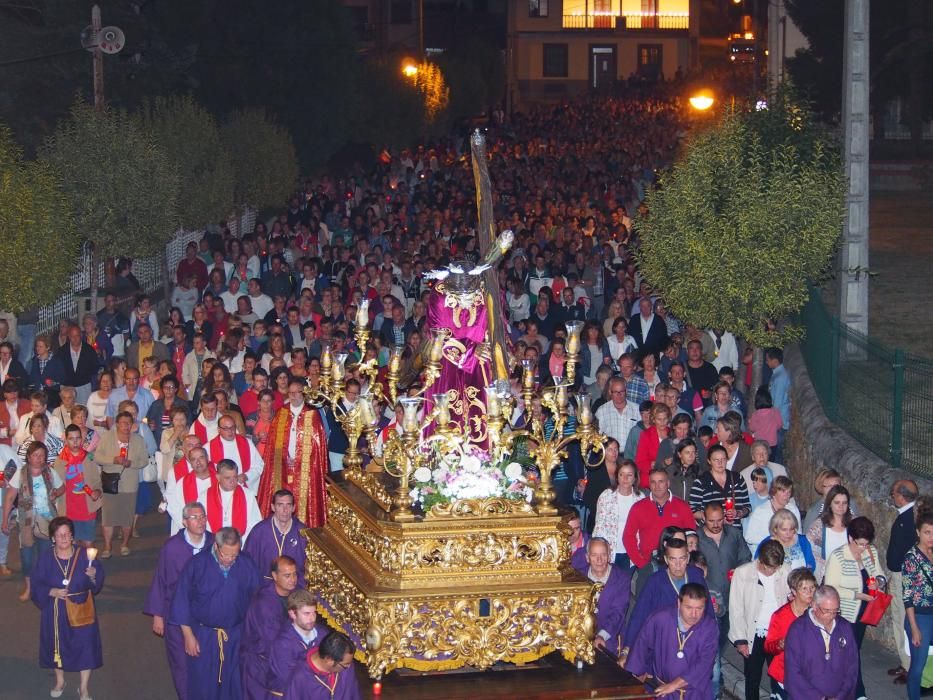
150 472
878 604
110 482
80 614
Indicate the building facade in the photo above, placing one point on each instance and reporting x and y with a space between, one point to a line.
560 48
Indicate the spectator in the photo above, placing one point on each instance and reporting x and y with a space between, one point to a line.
648 331
651 515
758 589
758 525
121 452
852 570
904 495
779 386
612 512
802 585
766 421
701 375
601 478
761 459
917 572
719 485
619 416
636 387
785 528
649 442
830 531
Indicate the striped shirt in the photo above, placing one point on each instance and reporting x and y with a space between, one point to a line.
706 490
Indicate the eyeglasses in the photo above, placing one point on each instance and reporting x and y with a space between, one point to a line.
834 613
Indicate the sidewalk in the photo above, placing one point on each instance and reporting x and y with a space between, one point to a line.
876 660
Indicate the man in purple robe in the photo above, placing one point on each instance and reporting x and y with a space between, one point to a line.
210 604
328 672
175 553
578 541
613 598
264 621
676 647
279 535
301 633
820 653
663 588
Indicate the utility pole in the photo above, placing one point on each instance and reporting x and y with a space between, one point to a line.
853 285
97 57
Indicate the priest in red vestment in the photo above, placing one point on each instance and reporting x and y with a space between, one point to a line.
296 459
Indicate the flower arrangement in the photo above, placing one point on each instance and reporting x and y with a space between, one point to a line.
470 473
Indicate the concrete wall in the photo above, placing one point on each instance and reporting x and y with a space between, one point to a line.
814 442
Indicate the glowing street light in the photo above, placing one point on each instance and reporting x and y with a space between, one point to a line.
702 100
409 69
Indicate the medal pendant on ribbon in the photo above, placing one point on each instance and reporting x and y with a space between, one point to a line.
680 655
826 656
66 581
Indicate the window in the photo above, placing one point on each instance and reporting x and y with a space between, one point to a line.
555 60
537 8
401 12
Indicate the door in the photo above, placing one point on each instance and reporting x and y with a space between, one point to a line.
649 61
602 68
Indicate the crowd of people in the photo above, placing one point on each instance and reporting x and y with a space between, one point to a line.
689 523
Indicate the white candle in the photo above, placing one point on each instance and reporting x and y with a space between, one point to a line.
91 554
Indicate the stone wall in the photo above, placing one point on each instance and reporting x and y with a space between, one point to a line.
814 442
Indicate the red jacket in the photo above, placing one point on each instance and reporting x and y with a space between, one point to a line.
647 453
781 621
644 525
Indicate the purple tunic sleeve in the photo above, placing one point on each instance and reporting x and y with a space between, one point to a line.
613 604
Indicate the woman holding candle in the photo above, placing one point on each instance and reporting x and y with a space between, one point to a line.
852 569
37 487
121 452
65 581
81 476
97 403
719 485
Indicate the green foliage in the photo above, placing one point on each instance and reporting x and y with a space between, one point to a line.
189 136
123 190
40 241
752 212
265 166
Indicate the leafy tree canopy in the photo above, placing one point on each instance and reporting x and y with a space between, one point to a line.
40 241
189 136
122 189
264 163
742 222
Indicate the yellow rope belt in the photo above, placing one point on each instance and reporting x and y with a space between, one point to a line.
221 638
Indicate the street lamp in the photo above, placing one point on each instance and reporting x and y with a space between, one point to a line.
409 69
702 100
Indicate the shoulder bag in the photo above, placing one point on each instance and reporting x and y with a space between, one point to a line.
80 614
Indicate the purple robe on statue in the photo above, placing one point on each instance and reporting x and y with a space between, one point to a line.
172 559
214 605
611 608
656 648
307 683
659 593
265 544
79 647
287 652
808 674
264 621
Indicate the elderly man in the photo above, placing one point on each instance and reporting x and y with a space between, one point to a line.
264 620
648 330
176 552
677 646
78 365
131 391
618 416
239 450
279 535
229 504
189 487
820 653
209 605
328 673
612 604
903 536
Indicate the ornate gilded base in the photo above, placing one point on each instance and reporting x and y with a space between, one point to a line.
434 595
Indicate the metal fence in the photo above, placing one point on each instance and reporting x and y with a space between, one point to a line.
149 272
881 396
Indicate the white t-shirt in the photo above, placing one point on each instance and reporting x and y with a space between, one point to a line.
40 496
769 603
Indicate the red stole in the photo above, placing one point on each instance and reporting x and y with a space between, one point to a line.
215 509
181 469
70 458
217 452
189 485
201 431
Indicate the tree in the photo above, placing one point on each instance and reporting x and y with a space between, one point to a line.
188 134
122 189
40 241
265 166
749 215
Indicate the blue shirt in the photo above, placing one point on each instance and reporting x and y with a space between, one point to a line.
143 400
780 393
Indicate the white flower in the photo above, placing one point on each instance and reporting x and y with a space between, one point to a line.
513 471
422 474
469 463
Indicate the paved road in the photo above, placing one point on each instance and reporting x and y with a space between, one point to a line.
134 659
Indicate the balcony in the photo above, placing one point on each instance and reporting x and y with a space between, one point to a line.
636 21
